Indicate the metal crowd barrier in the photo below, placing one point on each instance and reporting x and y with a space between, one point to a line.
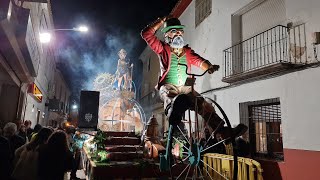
220 167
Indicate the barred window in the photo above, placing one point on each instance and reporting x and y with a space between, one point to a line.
203 10
264 121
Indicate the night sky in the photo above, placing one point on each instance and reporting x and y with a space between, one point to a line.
113 25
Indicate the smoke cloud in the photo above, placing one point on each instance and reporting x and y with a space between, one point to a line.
82 59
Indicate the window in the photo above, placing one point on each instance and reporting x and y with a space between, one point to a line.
264 121
203 10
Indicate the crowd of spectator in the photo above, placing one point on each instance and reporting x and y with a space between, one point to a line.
39 153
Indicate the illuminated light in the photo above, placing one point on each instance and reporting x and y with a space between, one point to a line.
45 37
9 11
74 106
82 29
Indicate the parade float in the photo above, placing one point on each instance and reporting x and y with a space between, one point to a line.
122 130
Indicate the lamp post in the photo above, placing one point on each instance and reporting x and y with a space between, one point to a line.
45 37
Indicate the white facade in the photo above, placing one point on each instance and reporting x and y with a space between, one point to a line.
298 91
40 20
62 91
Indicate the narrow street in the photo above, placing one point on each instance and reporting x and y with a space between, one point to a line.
152 90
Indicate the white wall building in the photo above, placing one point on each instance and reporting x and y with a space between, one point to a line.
27 67
268 76
59 103
40 20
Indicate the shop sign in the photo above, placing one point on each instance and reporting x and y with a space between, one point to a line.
36 92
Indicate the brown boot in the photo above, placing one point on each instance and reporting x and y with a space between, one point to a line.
237 131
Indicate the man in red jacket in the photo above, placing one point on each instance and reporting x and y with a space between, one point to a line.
178 97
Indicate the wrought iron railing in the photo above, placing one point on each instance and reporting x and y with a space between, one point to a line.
279 44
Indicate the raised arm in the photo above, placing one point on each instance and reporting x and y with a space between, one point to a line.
148 34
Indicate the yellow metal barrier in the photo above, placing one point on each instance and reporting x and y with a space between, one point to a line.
229 149
220 167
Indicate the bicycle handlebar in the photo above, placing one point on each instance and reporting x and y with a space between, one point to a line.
191 73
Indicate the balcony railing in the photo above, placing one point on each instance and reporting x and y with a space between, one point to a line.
271 51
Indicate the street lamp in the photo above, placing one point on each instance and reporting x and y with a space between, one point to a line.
74 106
81 29
45 37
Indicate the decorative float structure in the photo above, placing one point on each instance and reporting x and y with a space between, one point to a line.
118 109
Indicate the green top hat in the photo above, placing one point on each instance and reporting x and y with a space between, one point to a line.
172 23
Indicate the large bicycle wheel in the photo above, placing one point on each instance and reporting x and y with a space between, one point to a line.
184 153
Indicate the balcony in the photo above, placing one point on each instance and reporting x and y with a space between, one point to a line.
276 50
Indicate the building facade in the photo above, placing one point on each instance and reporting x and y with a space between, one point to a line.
268 53
59 103
150 100
27 66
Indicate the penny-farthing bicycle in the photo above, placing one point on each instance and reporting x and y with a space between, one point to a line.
185 162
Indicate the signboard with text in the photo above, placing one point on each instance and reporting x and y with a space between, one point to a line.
35 92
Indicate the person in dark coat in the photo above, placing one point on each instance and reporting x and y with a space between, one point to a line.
243 146
55 158
16 141
5 158
29 130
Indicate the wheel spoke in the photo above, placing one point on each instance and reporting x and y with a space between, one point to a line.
200 172
183 135
214 144
208 173
213 169
208 139
188 172
182 160
183 171
193 172
179 142
214 131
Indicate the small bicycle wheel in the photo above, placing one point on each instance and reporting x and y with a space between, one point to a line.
184 153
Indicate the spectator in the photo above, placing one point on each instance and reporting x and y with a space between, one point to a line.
23 132
243 146
5 158
36 129
55 159
28 123
18 122
15 141
78 140
10 132
26 167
